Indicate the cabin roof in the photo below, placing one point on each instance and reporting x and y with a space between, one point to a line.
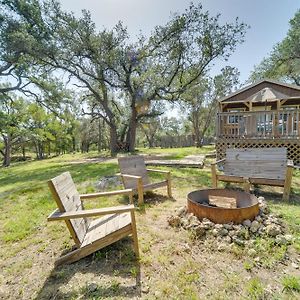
263 90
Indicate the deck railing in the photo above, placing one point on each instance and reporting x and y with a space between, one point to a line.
259 124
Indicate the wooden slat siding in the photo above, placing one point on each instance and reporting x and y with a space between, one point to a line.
133 165
267 163
70 201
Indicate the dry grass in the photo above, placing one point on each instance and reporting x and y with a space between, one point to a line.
172 266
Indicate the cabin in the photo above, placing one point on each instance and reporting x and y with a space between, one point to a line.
262 115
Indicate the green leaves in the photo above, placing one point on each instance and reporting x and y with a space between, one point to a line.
284 61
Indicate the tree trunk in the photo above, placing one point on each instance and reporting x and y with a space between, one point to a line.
196 126
7 151
24 152
113 141
49 148
131 133
211 112
100 128
39 150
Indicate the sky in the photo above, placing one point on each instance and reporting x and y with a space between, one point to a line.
268 21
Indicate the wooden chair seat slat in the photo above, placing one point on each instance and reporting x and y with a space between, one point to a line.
104 226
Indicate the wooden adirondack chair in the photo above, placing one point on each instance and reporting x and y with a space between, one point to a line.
135 176
268 166
90 234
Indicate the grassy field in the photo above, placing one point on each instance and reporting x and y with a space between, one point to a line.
173 264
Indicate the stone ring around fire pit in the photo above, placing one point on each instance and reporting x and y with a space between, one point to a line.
223 206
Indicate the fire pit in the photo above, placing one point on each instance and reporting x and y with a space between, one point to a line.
237 206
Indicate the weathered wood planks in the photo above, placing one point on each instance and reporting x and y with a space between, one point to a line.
135 176
256 166
89 234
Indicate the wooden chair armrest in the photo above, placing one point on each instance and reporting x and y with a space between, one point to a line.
158 171
290 163
103 194
57 215
218 161
129 176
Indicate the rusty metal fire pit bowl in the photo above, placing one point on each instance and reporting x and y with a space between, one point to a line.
198 203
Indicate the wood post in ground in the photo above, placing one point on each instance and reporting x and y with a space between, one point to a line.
287 183
140 190
169 185
214 179
134 235
246 184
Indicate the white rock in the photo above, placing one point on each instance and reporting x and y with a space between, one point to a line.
289 238
254 226
174 221
295 266
252 252
181 211
222 247
200 230
227 239
238 241
258 218
215 232
247 223
273 230
227 226
223 232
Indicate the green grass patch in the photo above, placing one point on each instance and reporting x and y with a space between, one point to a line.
255 288
291 283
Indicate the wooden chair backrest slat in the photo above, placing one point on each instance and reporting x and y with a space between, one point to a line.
67 199
268 163
133 165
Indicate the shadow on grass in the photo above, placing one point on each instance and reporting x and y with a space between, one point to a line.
114 270
276 197
152 199
273 196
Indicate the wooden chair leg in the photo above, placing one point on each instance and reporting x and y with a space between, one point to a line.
214 179
246 185
140 190
169 185
287 184
134 235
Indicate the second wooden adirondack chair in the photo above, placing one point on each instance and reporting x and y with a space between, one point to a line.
135 176
268 166
90 234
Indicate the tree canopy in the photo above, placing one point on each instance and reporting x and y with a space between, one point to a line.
284 60
118 80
